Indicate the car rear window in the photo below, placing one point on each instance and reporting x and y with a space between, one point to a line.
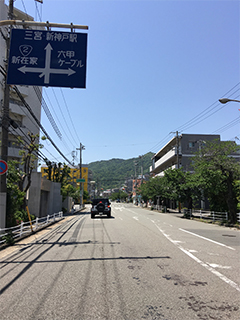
96 201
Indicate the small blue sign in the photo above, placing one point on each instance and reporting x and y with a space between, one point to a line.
3 167
47 58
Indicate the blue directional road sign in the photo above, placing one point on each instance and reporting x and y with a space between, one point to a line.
47 58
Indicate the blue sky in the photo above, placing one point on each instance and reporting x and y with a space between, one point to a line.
152 66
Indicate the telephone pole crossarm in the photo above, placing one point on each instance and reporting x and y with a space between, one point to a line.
41 24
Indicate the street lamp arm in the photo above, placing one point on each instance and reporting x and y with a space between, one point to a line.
225 100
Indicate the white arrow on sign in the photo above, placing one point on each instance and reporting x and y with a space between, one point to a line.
47 70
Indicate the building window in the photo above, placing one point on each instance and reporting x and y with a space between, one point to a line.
191 144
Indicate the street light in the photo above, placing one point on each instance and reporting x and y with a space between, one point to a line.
225 100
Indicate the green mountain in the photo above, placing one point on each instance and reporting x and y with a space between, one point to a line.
112 173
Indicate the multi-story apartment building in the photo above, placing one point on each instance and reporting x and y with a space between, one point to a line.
177 153
32 95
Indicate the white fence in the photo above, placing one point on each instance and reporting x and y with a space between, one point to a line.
207 215
25 227
211 215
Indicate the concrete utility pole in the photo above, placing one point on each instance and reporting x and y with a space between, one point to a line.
5 125
82 147
141 158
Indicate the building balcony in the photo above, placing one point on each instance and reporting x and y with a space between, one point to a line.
168 157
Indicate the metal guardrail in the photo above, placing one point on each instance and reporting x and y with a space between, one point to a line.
25 227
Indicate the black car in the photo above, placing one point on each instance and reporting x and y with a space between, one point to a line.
101 206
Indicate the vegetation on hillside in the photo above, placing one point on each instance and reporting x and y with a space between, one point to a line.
112 173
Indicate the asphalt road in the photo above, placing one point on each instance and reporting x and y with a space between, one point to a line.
137 265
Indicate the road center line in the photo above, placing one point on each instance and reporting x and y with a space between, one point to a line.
197 235
203 264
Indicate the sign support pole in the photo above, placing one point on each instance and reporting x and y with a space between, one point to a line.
5 125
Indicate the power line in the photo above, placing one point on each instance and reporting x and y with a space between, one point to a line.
55 114
205 113
69 113
64 118
39 124
47 111
201 116
228 125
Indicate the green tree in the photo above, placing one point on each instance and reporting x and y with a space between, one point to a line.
19 179
85 195
61 173
15 196
28 161
119 195
218 172
182 186
155 187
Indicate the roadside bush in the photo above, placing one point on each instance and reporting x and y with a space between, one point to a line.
9 238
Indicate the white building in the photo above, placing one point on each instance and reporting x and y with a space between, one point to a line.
17 110
178 152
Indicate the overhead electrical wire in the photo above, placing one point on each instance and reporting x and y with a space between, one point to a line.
228 125
38 122
37 153
64 118
201 116
55 114
205 113
69 112
47 111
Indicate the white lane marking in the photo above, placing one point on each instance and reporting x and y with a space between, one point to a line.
132 211
136 218
203 264
197 235
214 265
120 218
167 224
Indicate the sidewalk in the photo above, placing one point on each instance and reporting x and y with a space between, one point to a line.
21 243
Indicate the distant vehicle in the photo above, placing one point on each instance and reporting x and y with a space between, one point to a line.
118 200
101 206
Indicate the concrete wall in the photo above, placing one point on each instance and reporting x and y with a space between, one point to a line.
34 194
67 203
55 204
44 196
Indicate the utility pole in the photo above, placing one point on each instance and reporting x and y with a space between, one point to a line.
135 165
141 157
82 147
5 125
